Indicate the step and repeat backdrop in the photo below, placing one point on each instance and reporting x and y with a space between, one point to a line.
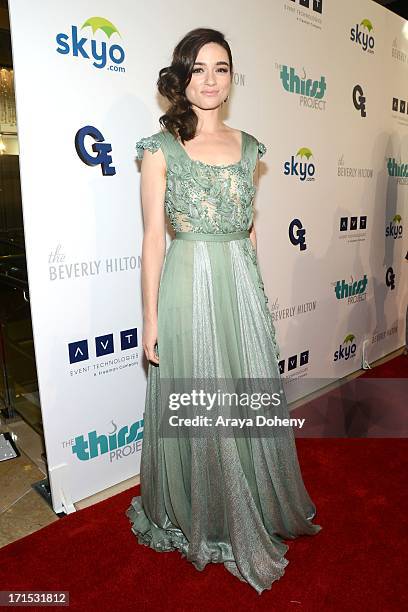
322 83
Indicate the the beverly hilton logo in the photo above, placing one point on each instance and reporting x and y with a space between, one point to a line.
104 53
397 53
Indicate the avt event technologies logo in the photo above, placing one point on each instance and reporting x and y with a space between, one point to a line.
311 91
354 291
312 17
101 148
104 345
353 224
315 5
305 171
399 106
363 38
353 229
347 350
92 48
119 443
294 362
395 228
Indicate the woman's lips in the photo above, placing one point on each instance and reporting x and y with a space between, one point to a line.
210 93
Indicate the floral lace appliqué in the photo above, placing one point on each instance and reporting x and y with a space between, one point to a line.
261 149
208 198
149 142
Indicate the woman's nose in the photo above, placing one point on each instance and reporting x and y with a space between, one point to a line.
210 80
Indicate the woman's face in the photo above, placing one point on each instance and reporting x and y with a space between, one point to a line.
211 77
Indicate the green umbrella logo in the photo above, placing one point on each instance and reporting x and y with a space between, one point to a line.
99 23
304 152
349 338
366 23
397 219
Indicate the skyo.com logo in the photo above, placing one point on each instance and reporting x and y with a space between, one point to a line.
346 352
364 39
305 171
93 48
394 229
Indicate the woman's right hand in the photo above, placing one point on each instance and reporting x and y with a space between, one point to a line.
149 340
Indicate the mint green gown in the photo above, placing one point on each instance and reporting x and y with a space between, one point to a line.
216 498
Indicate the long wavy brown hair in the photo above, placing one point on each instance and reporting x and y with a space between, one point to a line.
180 118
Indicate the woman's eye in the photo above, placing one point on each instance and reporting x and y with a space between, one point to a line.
219 70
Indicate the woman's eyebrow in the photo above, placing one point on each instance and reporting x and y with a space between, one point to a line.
220 62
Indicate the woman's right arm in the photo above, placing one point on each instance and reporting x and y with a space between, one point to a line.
153 186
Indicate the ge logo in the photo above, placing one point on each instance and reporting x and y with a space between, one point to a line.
297 234
101 148
359 100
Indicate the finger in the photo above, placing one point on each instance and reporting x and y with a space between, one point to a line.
151 355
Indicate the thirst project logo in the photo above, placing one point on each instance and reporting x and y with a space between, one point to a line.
311 90
353 292
92 42
119 443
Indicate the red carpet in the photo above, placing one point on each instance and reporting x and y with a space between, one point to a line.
372 405
355 563
393 368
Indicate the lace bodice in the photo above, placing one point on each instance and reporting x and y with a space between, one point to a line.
207 198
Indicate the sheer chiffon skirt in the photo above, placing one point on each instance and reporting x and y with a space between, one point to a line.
218 498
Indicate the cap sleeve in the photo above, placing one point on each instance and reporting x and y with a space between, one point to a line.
261 149
152 143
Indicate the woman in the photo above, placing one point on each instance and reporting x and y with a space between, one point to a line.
219 496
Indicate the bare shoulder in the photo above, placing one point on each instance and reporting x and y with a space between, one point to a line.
234 131
250 137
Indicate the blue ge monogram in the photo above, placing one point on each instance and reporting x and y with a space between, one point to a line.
101 148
